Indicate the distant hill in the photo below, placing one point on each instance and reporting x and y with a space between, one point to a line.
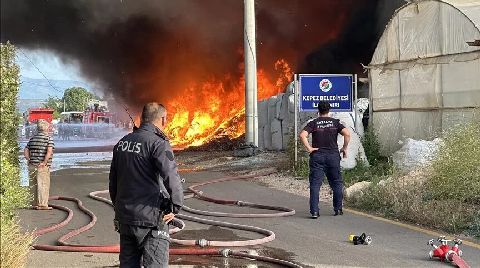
40 89
25 104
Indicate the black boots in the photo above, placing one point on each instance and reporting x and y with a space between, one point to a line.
315 215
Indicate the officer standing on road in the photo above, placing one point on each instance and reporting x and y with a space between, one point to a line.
146 191
325 157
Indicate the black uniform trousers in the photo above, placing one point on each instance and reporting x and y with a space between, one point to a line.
321 164
138 241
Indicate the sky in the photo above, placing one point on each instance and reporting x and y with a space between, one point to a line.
49 64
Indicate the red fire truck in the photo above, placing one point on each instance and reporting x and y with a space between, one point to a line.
97 113
34 114
31 117
94 117
98 120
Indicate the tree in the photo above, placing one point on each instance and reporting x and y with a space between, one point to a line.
76 99
56 104
9 95
15 245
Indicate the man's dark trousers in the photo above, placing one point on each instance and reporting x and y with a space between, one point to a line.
137 241
325 163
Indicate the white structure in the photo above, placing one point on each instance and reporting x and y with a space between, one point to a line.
251 113
424 77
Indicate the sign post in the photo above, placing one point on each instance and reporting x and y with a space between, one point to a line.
295 100
310 89
355 101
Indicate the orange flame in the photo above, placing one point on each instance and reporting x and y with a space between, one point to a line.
216 108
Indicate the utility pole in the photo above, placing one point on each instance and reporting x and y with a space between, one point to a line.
250 54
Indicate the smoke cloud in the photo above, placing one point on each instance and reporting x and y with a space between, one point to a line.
142 50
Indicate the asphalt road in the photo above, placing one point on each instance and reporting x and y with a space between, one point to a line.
312 243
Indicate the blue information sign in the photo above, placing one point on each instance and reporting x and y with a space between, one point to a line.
336 89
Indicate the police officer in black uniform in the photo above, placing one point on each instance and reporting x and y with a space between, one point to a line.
325 156
146 191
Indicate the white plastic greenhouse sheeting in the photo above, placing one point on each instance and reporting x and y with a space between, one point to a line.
422 65
394 127
429 28
454 85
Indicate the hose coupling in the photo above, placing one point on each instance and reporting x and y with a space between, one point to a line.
226 252
202 242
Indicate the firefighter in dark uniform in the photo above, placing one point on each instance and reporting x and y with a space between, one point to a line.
146 191
325 157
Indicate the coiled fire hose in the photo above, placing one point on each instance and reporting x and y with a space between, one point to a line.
179 225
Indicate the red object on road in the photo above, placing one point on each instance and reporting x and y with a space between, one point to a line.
447 254
457 260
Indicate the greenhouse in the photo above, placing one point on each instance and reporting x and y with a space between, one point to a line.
425 73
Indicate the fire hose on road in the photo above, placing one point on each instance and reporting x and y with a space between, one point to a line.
199 194
179 225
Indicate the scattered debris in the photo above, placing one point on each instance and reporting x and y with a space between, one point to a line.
362 239
246 150
222 143
357 188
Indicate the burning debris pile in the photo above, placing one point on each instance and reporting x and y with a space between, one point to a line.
188 55
220 110
220 143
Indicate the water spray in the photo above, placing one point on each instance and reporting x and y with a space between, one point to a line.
131 118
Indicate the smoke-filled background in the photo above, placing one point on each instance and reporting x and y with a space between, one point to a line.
151 50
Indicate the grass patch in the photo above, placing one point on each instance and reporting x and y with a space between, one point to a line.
445 196
371 145
379 167
301 169
457 169
15 244
408 203
362 172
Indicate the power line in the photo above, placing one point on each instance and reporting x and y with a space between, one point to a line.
25 55
48 86
36 84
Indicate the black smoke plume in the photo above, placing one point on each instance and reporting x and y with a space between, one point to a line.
144 50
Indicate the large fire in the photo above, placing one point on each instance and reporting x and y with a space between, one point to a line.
215 108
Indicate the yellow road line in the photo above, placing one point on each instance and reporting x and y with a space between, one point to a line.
411 227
